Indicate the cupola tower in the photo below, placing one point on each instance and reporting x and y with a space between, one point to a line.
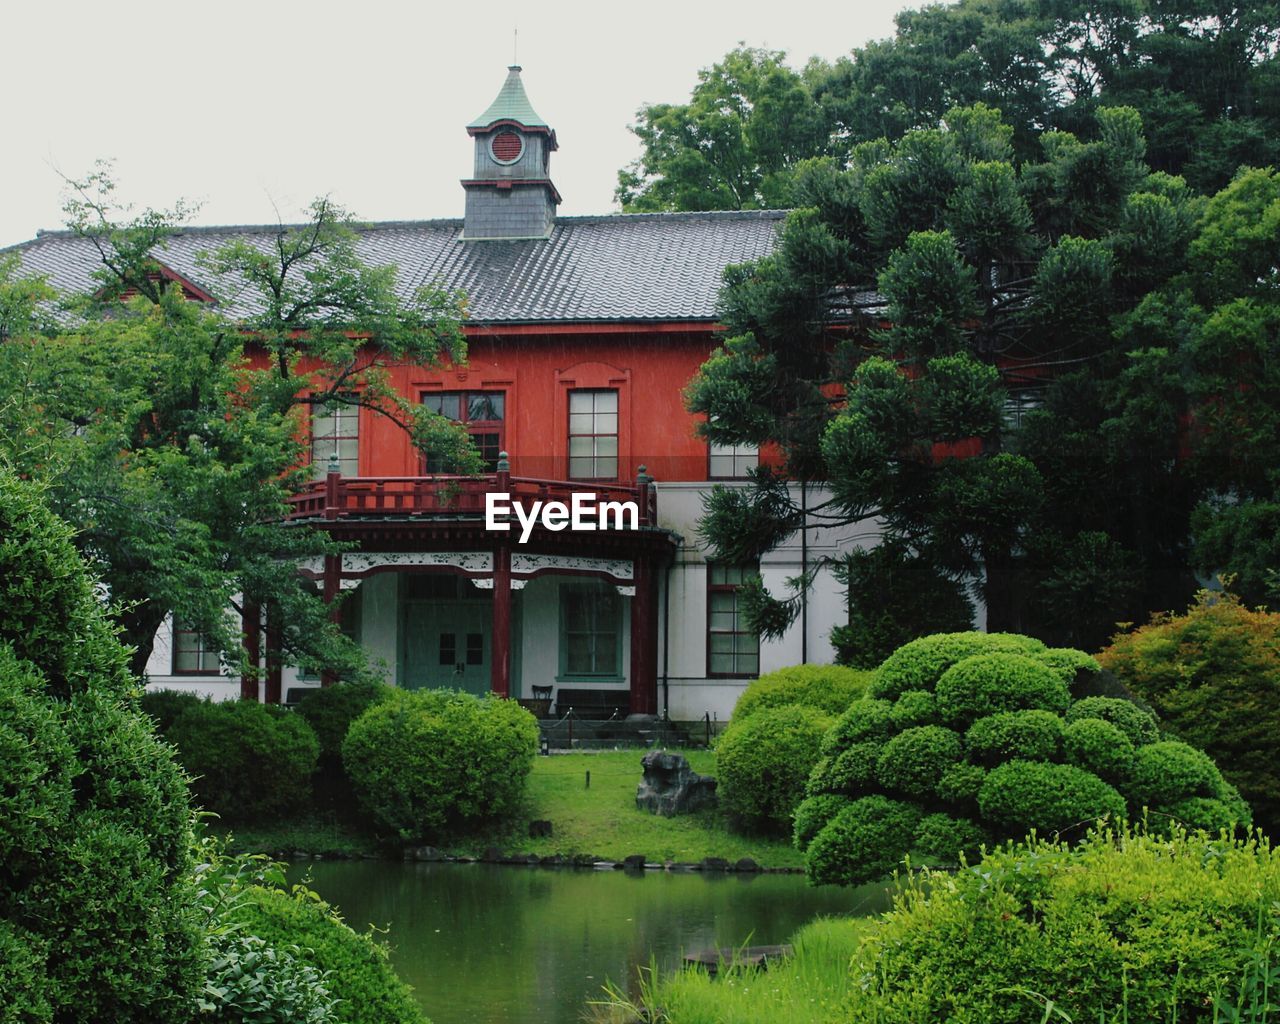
510 194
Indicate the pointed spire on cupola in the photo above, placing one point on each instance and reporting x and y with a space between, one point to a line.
510 195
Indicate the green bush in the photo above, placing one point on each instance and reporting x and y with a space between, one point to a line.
920 664
989 683
330 710
763 762
1122 927
915 707
249 762
1024 795
1212 675
1010 735
813 814
254 982
1098 746
164 706
98 918
1135 722
354 968
829 688
912 761
428 760
947 840
1011 698
865 840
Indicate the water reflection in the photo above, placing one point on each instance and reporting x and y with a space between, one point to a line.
484 944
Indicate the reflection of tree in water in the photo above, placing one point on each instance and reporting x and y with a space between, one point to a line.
512 945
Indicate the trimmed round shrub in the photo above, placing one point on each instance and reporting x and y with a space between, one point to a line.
915 707
355 968
98 914
425 761
914 759
947 840
164 706
248 761
829 688
330 710
866 719
1098 746
985 732
1213 676
848 771
1167 929
1014 735
1026 795
763 762
865 840
1166 772
1135 722
960 783
813 814
988 683
921 663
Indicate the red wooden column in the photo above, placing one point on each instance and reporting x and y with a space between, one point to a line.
644 639
274 663
332 591
251 626
500 647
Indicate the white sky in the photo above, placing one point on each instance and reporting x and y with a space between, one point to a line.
254 107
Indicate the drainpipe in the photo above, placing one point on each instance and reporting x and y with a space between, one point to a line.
666 640
804 569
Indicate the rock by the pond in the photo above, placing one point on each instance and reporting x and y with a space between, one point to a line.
671 787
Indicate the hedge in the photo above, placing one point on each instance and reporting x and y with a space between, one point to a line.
829 688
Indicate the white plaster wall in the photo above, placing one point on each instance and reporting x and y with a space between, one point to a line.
159 674
380 621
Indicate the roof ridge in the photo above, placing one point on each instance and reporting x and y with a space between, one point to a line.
386 225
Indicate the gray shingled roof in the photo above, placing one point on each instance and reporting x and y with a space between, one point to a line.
511 104
623 267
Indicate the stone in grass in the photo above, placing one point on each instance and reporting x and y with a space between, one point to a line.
671 787
540 829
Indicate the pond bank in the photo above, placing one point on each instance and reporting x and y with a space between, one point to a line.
589 800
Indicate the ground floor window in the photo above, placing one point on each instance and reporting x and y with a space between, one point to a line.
732 649
192 653
590 631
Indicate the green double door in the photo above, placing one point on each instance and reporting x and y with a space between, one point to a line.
446 643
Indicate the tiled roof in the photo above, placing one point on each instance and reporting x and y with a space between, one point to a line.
511 104
623 267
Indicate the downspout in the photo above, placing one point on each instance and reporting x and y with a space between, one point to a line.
804 570
666 641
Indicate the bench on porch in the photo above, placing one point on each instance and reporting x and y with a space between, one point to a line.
593 703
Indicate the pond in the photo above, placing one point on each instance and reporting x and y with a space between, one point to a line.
527 945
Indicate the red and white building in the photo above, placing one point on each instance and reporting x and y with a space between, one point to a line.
582 334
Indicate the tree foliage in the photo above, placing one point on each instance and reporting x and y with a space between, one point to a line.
169 434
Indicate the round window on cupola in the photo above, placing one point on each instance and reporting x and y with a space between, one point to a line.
506 147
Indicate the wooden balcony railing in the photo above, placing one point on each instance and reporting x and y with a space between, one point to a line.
338 496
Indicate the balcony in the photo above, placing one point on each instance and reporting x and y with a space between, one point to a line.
338 497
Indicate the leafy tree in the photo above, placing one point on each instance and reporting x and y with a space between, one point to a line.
169 434
951 280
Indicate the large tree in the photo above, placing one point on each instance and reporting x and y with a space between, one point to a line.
934 338
1205 78
169 434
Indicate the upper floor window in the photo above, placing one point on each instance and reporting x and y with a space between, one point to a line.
192 654
732 461
732 649
335 428
593 435
484 415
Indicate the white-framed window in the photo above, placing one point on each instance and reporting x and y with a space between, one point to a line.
731 461
593 435
335 428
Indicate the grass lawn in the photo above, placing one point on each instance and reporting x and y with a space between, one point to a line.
599 819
